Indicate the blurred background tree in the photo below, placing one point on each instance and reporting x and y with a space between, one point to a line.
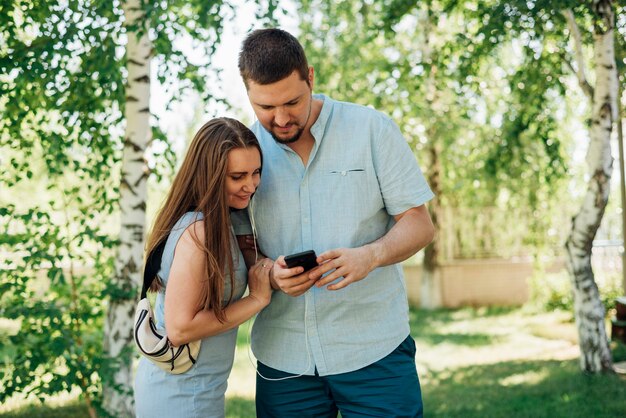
486 145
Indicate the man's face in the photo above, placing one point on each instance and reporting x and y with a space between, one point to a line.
283 107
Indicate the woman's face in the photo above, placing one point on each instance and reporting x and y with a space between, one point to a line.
242 176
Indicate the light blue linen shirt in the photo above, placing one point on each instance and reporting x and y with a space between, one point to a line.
360 173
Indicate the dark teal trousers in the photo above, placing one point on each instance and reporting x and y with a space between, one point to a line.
388 388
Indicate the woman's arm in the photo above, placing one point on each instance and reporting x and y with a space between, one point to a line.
183 321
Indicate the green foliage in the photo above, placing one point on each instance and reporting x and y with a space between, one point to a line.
57 304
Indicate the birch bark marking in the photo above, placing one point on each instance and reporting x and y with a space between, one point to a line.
133 192
588 309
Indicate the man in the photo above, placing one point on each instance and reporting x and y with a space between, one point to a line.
341 180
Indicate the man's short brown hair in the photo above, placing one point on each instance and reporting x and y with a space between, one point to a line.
270 55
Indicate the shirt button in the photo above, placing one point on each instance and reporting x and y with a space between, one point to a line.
343 173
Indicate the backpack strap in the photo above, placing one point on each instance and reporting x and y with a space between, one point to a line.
153 264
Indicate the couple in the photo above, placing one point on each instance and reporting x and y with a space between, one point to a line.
328 176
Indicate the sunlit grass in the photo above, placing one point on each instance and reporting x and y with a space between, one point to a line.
546 388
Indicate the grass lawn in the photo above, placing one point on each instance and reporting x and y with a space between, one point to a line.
509 363
472 363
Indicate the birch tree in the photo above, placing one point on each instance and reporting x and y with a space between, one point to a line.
588 309
132 203
589 26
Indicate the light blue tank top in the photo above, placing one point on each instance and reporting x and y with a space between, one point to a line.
241 278
199 392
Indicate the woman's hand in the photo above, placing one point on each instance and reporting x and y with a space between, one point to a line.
259 281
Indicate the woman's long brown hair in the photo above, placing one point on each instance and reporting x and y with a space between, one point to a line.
199 186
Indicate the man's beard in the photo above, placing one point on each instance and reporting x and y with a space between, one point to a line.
290 140
298 134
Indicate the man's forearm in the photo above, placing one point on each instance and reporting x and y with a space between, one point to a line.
413 231
250 254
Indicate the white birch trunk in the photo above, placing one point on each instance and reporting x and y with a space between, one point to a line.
133 191
588 309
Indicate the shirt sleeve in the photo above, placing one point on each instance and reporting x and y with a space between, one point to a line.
401 181
241 222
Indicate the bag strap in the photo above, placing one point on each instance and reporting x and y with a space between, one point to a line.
153 264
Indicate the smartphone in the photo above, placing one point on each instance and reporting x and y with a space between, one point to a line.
306 259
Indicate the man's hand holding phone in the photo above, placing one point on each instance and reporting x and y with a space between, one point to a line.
348 264
291 273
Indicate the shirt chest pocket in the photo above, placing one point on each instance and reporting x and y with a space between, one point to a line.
344 173
348 183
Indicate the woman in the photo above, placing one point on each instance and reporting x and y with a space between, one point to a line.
203 274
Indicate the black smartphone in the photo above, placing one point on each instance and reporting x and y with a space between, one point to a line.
306 259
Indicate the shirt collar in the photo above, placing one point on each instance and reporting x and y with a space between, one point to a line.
318 128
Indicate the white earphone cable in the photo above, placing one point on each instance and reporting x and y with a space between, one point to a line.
306 305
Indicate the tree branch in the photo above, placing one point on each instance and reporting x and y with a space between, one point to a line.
578 50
